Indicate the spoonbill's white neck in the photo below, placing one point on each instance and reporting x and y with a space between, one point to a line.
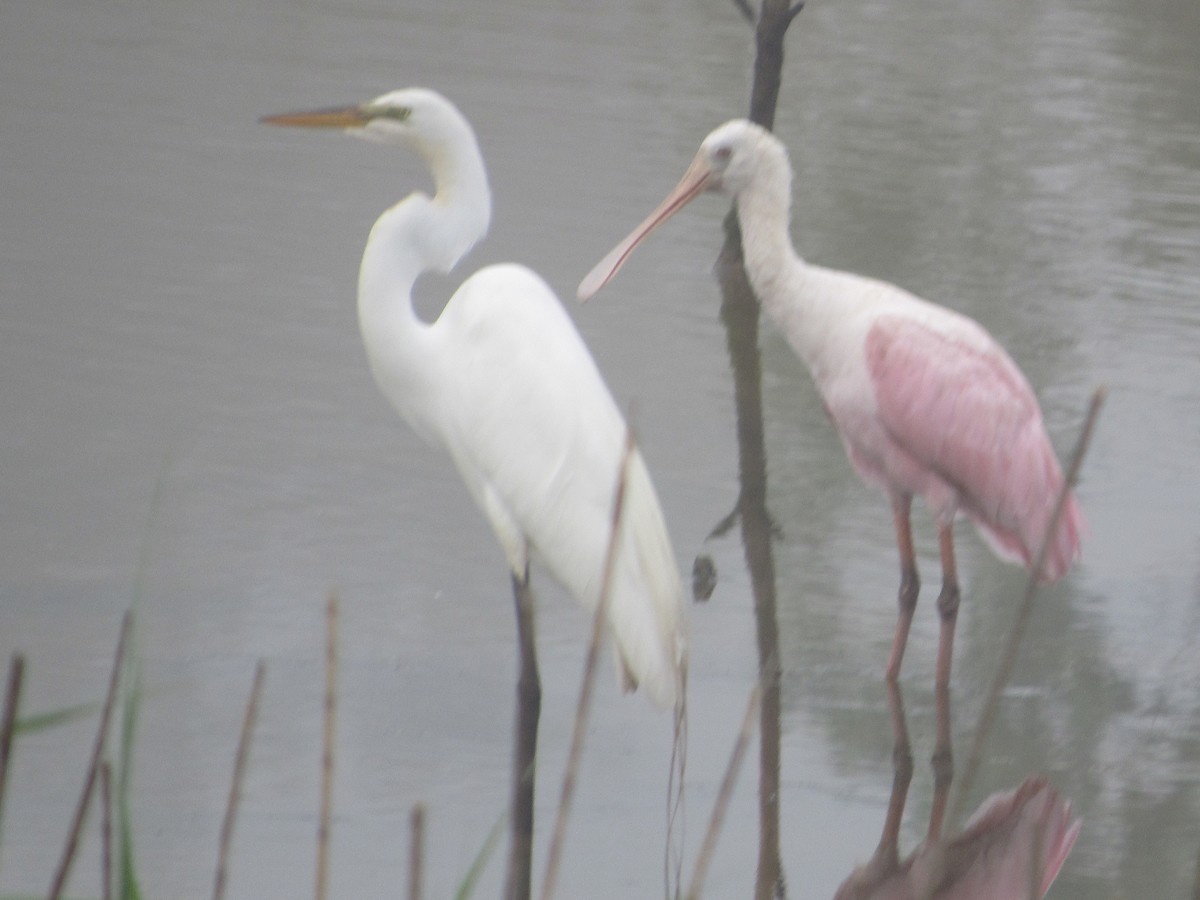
764 215
805 302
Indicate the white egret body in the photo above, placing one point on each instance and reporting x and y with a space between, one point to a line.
503 382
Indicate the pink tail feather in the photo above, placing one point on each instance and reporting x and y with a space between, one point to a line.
1064 549
1022 497
1063 552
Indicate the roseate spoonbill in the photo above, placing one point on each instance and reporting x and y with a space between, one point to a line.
504 384
925 401
1011 849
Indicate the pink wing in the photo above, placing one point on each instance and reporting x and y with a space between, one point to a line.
960 407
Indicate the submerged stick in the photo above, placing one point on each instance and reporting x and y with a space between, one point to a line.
235 786
323 828
1009 656
589 676
89 783
724 794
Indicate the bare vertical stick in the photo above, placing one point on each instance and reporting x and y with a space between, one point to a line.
724 794
8 719
331 613
106 829
740 314
1009 656
589 676
235 786
416 850
85 796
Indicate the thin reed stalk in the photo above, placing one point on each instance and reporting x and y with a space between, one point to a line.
1009 656
416 850
583 707
8 720
467 886
330 726
106 842
235 786
724 794
63 869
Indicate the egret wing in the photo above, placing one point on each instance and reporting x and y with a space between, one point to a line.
537 431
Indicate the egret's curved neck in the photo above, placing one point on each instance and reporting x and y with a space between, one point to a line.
419 234
416 235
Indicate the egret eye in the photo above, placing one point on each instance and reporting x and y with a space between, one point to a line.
395 113
723 153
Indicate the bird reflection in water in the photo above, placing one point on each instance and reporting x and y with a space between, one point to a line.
1012 848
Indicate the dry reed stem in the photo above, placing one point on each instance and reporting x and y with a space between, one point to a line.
323 826
106 829
416 850
1008 658
570 776
725 794
68 855
8 719
235 785
675 783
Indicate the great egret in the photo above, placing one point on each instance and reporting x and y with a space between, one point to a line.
503 383
925 401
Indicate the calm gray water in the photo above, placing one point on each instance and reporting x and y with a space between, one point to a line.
188 420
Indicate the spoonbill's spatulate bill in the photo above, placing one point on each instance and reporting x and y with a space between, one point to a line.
502 382
925 401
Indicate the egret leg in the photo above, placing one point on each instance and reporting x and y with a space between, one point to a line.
529 704
910 583
943 758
